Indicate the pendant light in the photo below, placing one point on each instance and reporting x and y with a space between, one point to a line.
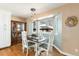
33 14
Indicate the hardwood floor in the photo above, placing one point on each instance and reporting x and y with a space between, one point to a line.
16 50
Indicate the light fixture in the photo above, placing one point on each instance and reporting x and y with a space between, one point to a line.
33 15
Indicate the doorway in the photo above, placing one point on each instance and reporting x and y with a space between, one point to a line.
16 29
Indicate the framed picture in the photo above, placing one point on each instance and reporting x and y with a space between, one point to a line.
71 21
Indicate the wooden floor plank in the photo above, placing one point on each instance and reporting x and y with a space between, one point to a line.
16 50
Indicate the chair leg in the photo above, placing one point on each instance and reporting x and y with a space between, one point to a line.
47 53
36 52
23 49
27 52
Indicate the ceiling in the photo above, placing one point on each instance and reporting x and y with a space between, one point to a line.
23 9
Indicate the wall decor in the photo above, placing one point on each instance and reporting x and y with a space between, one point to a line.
71 21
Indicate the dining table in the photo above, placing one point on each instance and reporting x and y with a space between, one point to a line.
37 40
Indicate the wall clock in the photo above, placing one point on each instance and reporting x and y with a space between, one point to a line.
71 21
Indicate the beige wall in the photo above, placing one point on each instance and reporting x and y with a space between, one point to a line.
70 35
14 18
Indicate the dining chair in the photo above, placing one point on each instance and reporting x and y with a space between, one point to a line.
26 43
44 45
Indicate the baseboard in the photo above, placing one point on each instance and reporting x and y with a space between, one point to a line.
5 47
67 54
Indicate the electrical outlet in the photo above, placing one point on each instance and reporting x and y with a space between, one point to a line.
76 50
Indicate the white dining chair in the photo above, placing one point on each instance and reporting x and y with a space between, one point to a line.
44 45
26 43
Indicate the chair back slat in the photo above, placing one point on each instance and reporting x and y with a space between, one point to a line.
24 38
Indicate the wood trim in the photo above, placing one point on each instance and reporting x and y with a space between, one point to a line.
25 26
18 21
5 47
21 22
